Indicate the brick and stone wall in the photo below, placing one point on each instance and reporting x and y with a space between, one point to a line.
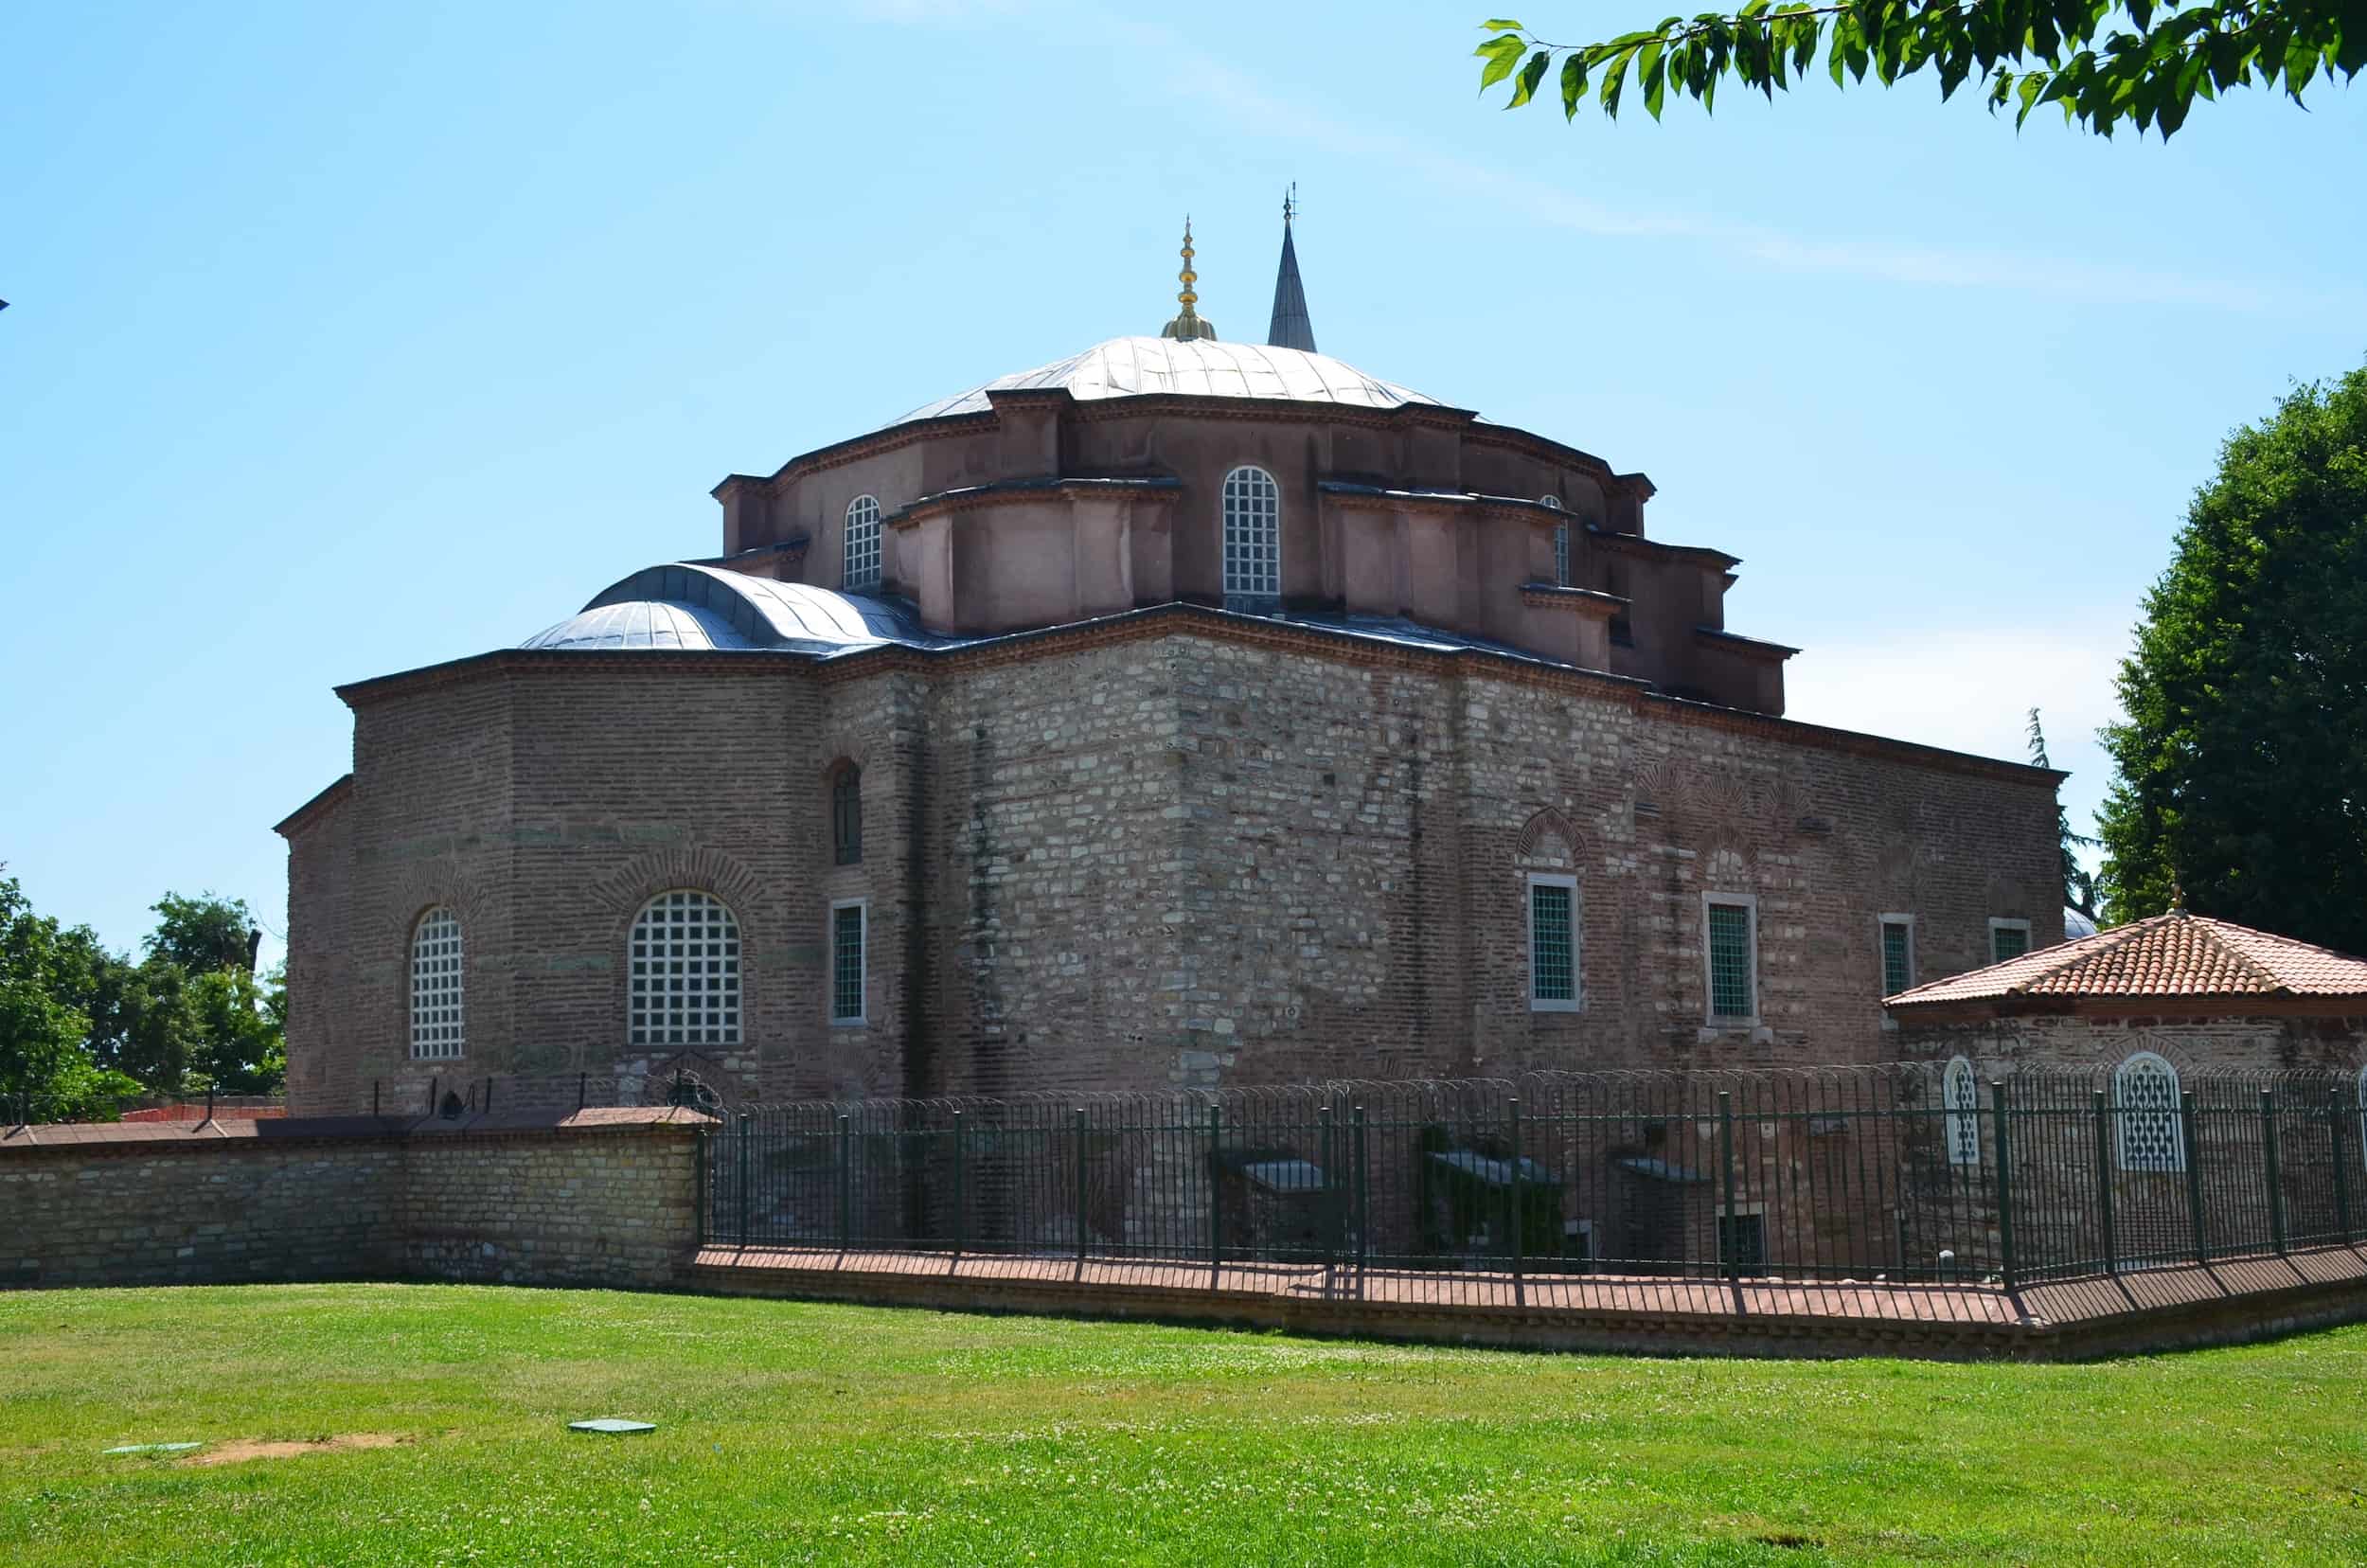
599 1198
1184 851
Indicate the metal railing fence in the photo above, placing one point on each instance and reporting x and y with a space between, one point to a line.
1844 1174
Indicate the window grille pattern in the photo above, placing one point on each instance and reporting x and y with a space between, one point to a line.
846 964
846 814
685 980
1742 1238
2144 1096
863 545
436 987
2008 941
1553 944
1898 970
1730 992
1961 1093
1253 537
1561 555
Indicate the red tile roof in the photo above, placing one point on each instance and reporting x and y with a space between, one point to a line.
2171 956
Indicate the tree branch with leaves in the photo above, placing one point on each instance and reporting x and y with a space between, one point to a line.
2106 64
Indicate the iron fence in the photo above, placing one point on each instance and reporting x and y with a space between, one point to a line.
1862 1174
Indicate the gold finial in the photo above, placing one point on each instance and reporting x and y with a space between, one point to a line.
1187 324
2178 897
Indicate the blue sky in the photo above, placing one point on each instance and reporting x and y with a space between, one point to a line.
345 340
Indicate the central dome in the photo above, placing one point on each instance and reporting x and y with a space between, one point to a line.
1202 367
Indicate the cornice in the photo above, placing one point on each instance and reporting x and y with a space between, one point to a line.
1584 601
1007 492
1752 647
326 799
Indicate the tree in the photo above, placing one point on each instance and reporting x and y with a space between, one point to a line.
2144 62
2080 888
45 1065
204 934
2240 761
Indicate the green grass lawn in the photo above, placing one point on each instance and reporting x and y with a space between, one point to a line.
791 1433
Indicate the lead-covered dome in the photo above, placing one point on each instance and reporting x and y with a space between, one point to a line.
686 605
1203 367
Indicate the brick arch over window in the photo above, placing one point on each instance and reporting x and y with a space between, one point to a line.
1549 838
627 888
422 886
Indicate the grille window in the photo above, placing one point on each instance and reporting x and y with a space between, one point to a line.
1253 538
1961 1094
863 545
683 984
846 814
847 963
1553 942
1733 994
2145 1099
436 987
1898 963
2008 939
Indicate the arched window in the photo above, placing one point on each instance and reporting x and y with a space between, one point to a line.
436 986
1961 1093
861 572
847 813
685 978
1253 539
1561 542
2360 1099
2145 1101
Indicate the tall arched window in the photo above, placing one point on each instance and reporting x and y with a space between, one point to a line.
1961 1093
2145 1101
847 813
683 985
437 1033
1253 539
1561 544
862 554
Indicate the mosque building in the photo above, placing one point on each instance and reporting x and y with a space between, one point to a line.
1183 711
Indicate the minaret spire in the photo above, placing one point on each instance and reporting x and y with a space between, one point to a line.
1289 327
1187 325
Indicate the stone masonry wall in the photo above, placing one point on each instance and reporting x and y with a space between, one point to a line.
597 1204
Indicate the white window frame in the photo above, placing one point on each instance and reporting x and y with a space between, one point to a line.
1998 923
2123 1113
438 1009
1748 903
649 1020
1561 542
1577 999
1881 949
1963 1126
1251 584
862 964
861 547
2359 1098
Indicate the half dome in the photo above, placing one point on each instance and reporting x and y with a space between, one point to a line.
1200 367
684 605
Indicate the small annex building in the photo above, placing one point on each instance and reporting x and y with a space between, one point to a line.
1179 712
2173 993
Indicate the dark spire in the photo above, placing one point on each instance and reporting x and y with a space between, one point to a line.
1289 327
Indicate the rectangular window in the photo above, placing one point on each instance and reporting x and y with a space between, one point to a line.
1742 1236
1732 943
1553 943
1898 953
2008 939
849 921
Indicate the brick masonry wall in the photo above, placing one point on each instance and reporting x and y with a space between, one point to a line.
1179 858
571 1205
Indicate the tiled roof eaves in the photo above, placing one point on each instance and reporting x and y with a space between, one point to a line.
333 795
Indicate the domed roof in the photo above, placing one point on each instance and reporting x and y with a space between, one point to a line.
1203 367
684 604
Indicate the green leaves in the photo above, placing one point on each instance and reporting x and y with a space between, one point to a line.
2145 63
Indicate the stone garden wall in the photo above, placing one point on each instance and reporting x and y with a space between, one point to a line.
596 1198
